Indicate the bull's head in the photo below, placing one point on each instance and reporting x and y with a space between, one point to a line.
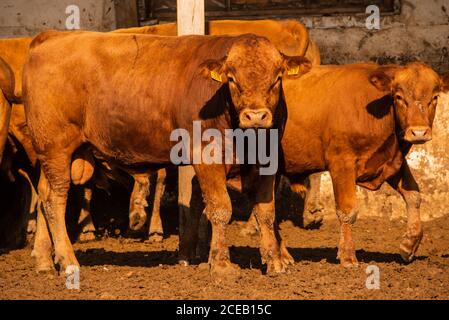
254 68
415 89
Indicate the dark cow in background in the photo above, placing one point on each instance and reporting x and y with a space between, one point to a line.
163 83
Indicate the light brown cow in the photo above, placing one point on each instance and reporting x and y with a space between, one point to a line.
359 122
163 83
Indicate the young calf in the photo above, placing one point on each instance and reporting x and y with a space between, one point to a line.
359 122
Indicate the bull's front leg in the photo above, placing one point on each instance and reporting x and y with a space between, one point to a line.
138 201
276 259
218 209
406 185
343 180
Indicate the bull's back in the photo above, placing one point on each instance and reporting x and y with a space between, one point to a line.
126 92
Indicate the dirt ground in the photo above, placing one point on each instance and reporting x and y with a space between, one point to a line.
124 268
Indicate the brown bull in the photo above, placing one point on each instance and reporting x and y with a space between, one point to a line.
145 87
359 122
290 37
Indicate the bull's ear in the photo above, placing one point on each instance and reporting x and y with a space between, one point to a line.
382 77
214 69
296 66
445 82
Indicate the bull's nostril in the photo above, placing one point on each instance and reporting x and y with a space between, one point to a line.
248 117
264 116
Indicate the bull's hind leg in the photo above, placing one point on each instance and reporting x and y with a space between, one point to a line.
42 249
313 208
406 185
156 232
138 202
53 191
343 180
218 208
87 232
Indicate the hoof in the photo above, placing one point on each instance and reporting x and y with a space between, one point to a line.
137 220
86 236
45 268
224 270
406 256
183 263
156 237
286 258
347 258
277 266
409 246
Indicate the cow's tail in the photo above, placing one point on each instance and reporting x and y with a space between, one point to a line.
6 99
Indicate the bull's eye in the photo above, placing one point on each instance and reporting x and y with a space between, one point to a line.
398 97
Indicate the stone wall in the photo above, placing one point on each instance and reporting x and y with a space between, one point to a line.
20 18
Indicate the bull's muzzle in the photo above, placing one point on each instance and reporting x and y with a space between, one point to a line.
256 118
418 134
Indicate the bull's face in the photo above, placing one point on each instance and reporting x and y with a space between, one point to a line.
254 69
415 89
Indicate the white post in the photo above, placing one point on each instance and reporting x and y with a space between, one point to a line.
190 17
190 21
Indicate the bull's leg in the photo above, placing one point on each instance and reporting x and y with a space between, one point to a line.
138 202
87 232
406 185
251 227
218 209
343 180
264 211
42 249
156 232
54 186
313 208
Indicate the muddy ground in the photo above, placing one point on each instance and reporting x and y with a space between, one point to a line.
125 268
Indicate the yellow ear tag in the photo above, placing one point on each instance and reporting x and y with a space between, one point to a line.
216 76
293 71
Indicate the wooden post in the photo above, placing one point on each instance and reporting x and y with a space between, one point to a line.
190 17
190 21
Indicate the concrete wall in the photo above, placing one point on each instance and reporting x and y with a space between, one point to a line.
419 32
26 18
